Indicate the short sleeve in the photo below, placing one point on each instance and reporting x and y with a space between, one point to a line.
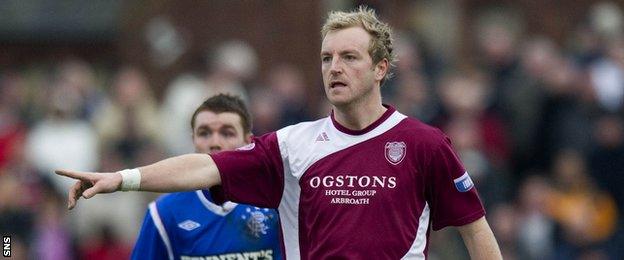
452 197
253 174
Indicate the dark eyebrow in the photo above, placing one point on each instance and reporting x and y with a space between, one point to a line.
202 127
349 52
227 126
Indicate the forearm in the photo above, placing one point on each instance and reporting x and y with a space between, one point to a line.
479 240
181 173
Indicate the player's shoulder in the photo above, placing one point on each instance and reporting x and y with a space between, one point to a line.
424 130
175 200
305 126
295 134
420 133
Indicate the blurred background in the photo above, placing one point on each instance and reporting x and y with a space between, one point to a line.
530 92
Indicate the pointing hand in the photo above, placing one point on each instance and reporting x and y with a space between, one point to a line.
89 184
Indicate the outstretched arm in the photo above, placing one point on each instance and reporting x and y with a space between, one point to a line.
185 172
480 240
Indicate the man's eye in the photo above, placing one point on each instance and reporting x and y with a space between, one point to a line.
326 59
228 134
203 133
350 57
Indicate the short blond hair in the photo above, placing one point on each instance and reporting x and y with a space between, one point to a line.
381 44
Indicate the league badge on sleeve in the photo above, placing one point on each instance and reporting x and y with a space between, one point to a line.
395 152
463 183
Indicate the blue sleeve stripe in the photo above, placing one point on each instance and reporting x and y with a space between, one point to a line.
161 228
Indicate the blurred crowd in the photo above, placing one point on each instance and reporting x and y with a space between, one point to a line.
538 124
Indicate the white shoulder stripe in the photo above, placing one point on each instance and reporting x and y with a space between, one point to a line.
417 251
299 145
161 228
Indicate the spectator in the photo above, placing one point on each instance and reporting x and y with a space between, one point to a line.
607 167
233 63
607 77
409 89
536 228
62 138
12 128
129 121
52 239
285 81
585 214
465 97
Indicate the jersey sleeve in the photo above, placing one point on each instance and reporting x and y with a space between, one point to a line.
253 174
453 199
149 244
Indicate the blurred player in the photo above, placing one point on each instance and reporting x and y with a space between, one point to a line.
366 182
193 223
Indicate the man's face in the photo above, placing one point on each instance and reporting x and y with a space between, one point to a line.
349 74
218 132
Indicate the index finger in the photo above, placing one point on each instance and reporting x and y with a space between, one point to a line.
74 174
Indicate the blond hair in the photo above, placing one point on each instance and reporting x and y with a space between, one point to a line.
380 46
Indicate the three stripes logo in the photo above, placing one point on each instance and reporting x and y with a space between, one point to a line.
322 137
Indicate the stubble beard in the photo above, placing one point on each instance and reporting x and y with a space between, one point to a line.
352 101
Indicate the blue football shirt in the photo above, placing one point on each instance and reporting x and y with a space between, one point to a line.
188 225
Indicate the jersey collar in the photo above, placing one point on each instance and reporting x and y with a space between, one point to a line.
223 210
367 129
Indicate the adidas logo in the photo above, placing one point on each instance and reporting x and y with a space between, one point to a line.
322 137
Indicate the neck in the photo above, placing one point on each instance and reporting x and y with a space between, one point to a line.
358 116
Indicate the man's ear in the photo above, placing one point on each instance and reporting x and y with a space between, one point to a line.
248 137
381 69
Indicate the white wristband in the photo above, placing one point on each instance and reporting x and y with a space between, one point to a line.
130 179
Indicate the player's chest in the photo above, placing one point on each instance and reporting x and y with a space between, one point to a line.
245 223
366 175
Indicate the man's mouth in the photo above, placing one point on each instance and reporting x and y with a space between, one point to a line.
337 84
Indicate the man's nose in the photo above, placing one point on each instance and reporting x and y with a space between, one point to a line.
215 142
336 66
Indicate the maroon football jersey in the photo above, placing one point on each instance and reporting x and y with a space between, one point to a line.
348 194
